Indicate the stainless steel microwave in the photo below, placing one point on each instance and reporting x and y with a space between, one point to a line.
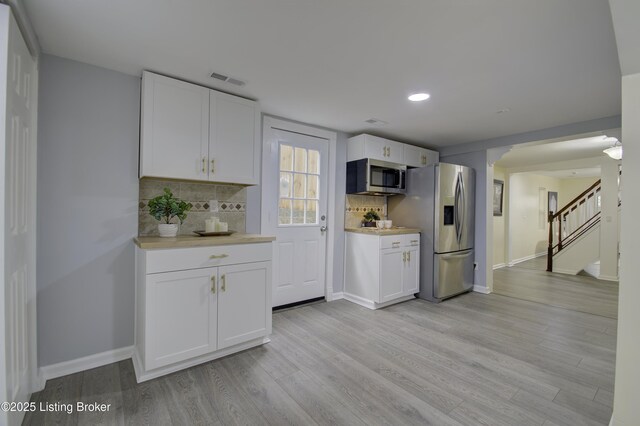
375 177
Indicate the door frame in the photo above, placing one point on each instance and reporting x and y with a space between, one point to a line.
269 191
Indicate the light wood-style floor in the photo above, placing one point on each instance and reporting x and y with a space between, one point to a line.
530 281
476 359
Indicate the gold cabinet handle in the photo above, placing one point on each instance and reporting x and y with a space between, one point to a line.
213 284
223 287
218 256
414 241
389 151
395 243
409 256
204 165
384 151
404 256
213 166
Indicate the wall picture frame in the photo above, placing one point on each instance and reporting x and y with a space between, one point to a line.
498 197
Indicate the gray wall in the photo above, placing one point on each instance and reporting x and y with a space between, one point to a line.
87 209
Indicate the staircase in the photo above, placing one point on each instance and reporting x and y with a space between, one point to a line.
574 233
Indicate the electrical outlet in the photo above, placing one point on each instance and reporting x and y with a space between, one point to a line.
213 206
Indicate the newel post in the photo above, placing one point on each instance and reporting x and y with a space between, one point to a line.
550 248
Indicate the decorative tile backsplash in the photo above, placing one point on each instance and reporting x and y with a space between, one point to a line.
232 202
357 205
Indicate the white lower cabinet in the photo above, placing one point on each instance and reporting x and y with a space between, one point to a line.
182 316
190 316
381 270
242 302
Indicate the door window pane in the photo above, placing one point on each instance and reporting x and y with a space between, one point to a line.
314 161
312 212
298 211
301 160
312 186
299 184
286 158
285 184
284 212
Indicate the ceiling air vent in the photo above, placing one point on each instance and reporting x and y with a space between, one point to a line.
376 122
227 79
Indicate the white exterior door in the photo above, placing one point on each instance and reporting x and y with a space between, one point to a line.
296 211
18 180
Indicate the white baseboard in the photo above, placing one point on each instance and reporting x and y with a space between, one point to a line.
481 289
608 278
499 265
337 296
565 271
524 259
374 305
85 363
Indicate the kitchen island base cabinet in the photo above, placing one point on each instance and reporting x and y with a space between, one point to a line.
187 317
381 270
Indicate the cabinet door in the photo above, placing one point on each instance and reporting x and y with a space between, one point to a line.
174 132
411 271
414 156
391 271
232 139
181 317
383 149
242 303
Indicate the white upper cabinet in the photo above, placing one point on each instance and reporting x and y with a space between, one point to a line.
192 132
234 148
368 146
174 131
414 156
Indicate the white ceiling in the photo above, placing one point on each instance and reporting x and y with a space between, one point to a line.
336 63
591 172
551 153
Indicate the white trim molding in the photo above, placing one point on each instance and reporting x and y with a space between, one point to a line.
481 289
336 296
608 278
524 259
85 363
499 266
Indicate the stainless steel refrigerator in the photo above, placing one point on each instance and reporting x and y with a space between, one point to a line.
440 201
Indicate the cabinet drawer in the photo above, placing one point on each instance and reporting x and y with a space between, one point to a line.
396 241
206 257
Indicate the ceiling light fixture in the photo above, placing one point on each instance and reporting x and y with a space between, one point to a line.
614 151
419 97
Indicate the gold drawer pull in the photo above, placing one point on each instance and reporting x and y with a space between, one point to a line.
395 243
414 241
223 287
218 256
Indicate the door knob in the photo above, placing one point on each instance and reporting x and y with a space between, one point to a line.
323 228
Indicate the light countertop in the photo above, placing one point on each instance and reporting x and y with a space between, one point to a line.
381 232
150 243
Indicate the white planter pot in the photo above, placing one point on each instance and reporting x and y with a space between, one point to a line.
168 230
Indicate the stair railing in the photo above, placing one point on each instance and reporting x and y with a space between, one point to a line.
573 220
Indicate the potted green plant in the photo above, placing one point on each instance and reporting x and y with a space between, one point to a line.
370 218
165 208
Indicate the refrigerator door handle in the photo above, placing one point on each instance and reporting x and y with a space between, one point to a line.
457 207
463 198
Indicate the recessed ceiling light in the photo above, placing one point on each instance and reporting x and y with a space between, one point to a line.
418 97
